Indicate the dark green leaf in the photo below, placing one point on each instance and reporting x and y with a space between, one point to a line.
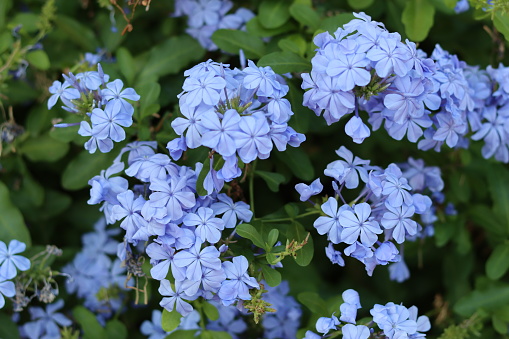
315 304
305 15
232 41
182 334
488 299
210 311
12 225
271 276
501 22
172 56
500 193
5 40
332 23
273 13
209 334
149 94
285 62
78 33
498 262
84 167
249 232
360 4
115 330
273 180
170 320
39 59
255 28
127 65
89 324
298 162
44 148
418 18
5 6
294 43
484 217
8 328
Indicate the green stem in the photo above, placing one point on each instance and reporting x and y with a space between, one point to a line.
251 186
291 219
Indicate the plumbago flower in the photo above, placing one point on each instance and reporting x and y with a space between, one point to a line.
394 321
238 114
388 205
105 107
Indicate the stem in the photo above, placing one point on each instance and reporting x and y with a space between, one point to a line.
290 219
251 187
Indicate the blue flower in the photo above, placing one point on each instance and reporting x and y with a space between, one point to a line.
252 139
220 135
7 289
107 124
207 226
47 320
204 88
63 91
331 225
260 78
115 96
398 219
355 332
232 211
238 283
359 223
9 259
174 299
306 191
324 324
193 259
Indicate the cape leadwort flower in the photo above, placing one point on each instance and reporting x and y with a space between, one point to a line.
387 205
103 105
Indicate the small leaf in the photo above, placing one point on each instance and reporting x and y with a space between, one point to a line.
501 22
285 62
297 232
271 276
273 13
232 41
78 33
488 299
273 180
272 237
182 334
332 23
210 311
12 225
209 334
44 148
255 28
498 263
294 44
115 330
39 59
315 304
126 64
298 162
249 232
500 193
83 167
89 324
418 18
149 95
170 320
305 15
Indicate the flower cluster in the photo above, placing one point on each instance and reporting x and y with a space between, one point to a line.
432 100
10 263
235 113
204 17
103 104
387 205
395 321
45 322
184 230
285 321
94 275
154 330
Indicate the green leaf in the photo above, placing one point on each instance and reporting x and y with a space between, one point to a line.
39 59
89 324
360 4
210 311
498 263
294 43
249 232
209 334
5 6
273 180
116 330
418 18
285 62
84 167
484 217
273 13
501 22
272 237
498 179
126 64
305 15
332 23
149 95
78 33
232 41
488 299
5 41
171 56
297 232
298 162
8 328
170 320
271 276
12 225
255 28
44 148
182 334
315 304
